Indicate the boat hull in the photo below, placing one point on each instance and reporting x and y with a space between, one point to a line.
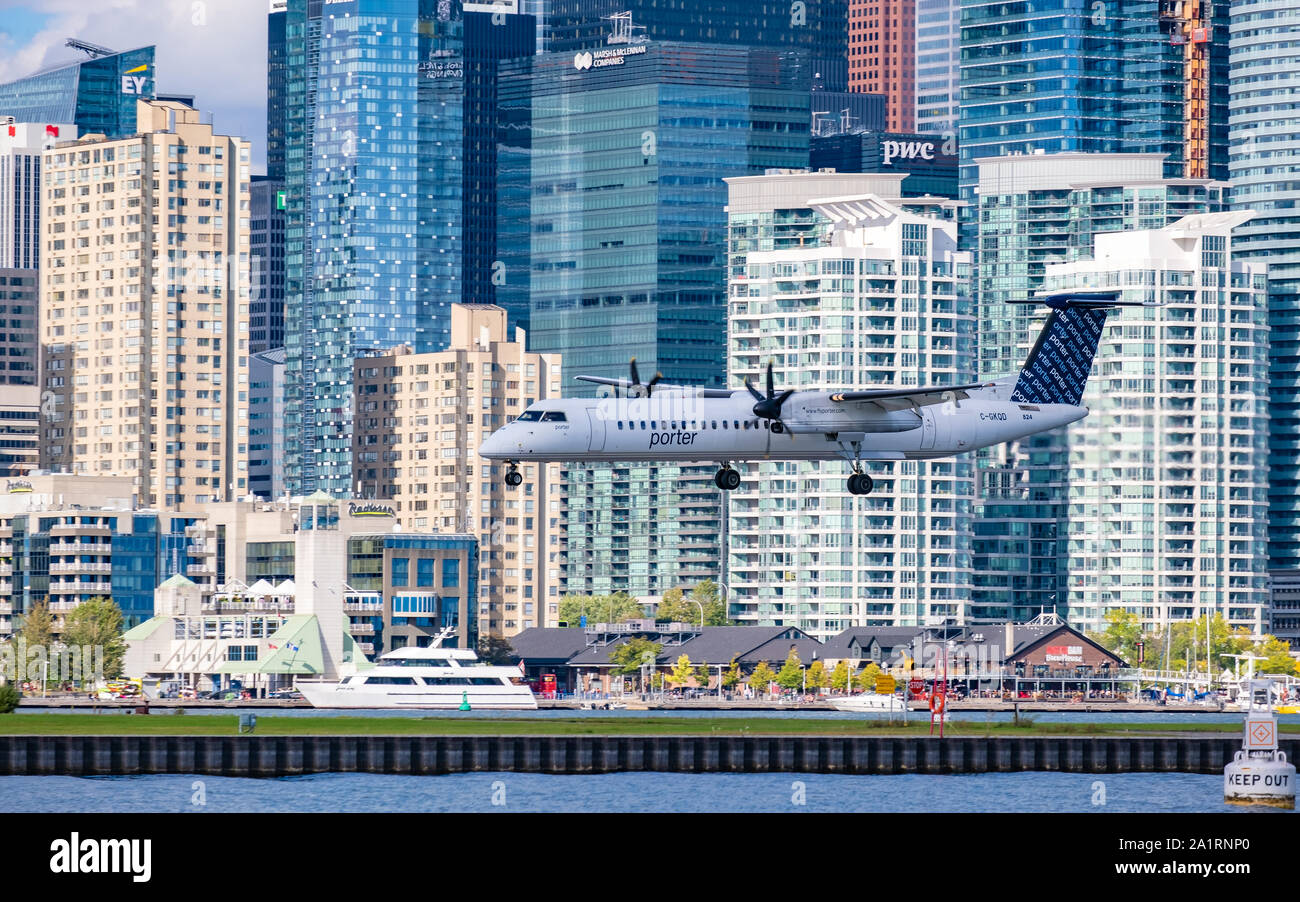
859 704
332 695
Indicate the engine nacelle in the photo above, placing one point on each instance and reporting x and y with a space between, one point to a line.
818 413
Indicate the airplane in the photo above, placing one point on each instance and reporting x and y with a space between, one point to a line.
683 423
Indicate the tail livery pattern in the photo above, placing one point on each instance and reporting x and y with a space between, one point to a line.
1057 368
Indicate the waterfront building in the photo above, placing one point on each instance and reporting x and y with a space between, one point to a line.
143 322
1264 129
1034 210
266 265
938 66
1168 474
395 587
420 419
930 161
21 146
98 95
1076 78
66 539
266 424
882 56
839 285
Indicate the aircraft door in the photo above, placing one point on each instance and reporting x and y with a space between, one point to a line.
927 428
597 430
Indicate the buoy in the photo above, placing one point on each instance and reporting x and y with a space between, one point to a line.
464 704
1259 773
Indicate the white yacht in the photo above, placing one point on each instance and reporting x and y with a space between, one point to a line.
431 677
869 702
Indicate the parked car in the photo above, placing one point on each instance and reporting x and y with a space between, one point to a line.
287 694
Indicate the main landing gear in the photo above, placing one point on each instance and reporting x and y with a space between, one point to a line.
726 478
513 476
860 484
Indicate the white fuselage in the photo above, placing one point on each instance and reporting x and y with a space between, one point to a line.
679 425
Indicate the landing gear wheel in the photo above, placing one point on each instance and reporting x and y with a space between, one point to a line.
727 479
860 484
513 476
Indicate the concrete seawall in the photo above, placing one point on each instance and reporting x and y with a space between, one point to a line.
280 756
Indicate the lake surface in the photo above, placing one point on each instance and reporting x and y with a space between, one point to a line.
619 793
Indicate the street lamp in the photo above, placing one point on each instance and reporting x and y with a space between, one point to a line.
701 607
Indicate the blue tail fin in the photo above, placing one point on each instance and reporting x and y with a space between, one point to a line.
1057 368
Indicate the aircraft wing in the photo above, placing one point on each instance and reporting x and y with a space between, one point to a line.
625 384
903 398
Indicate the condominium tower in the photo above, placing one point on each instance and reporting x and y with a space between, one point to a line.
837 283
144 308
420 419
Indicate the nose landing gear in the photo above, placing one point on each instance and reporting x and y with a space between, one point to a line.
726 478
513 476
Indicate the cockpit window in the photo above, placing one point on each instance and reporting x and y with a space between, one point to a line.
553 416
529 416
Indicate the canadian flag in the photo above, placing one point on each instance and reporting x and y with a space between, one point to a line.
52 131
522 672
271 645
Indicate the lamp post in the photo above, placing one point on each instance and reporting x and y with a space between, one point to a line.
701 607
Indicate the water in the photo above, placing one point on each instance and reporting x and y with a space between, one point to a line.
621 793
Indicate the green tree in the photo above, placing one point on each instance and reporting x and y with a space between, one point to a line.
98 622
817 676
866 680
628 657
9 696
494 650
702 676
1121 635
1187 644
760 679
677 607
1277 657
791 673
615 608
840 675
683 672
731 678
38 626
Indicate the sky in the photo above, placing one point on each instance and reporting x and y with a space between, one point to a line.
213 49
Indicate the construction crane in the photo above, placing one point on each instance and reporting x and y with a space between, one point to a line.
1189 25
94 51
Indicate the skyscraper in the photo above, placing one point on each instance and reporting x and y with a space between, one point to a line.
1168 473
614 244
382 203
266 265
1265 139
97 95
879 299
277 72
938 66
1034 210
1108 78
144 308
373 233
882 56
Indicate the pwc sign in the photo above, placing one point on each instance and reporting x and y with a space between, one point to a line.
133 81
907 150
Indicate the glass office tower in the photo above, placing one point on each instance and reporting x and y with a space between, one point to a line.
1265 141
614 243
98 95
373 235
1073 75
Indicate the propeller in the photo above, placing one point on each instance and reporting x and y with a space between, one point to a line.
636 382
769 407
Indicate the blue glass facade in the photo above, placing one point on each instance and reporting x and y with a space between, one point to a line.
276 92
99 95
621 168
373 237
1264 159
1073 75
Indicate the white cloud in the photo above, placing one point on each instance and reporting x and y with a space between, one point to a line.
213 49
